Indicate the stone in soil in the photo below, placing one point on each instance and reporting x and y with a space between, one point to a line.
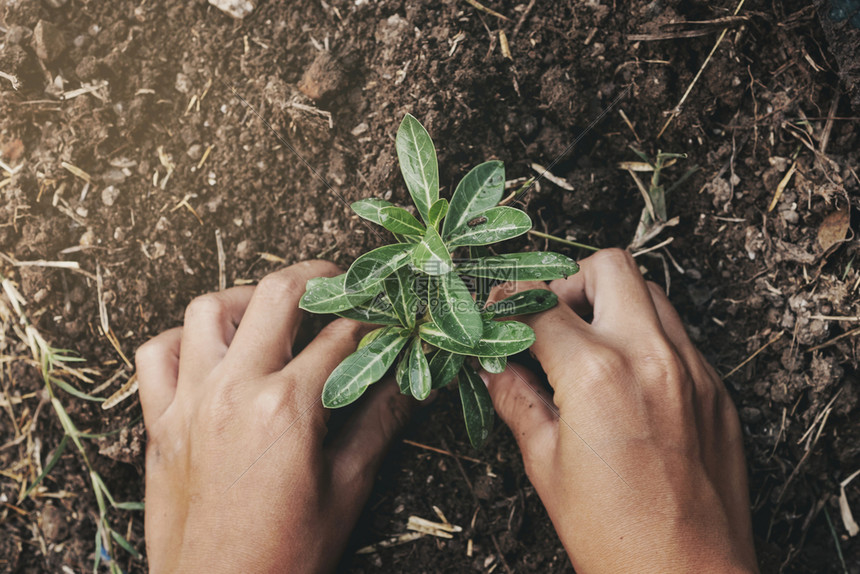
48 41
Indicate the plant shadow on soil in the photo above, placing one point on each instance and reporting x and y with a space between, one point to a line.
761 106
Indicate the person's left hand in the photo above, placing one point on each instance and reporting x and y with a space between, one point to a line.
237 476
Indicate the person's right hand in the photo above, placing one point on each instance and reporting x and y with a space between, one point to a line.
638 455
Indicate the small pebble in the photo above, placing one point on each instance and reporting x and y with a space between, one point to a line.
56 3
18 34
236 8
790 217
113 177
48 41
88 239
182 84
195 152
750 414
245 250
359 129
109 195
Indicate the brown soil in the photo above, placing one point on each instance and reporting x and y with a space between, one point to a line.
170 69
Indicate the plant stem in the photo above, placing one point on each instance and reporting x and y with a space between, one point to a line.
564 241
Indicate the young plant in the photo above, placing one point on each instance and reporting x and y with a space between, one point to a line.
431 305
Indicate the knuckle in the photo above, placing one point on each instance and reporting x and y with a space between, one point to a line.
346 328
210 304
615 257
323 267
277 285
660 364
607 364
148 351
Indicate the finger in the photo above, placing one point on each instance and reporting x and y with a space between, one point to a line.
674 329
360 446
609 282
307 373
527 409
209 327
264 341
157 363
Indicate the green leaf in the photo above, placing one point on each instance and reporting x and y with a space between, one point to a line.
534 266
370 209
404 301
522 303
493 364
328 295
124 543
377 311
371 268
453 310
418 164
131 505
431 256
55 458
494 225
361 369
75 392
373 335
481 189
478 412
398 220
481 285
501 338
438 211
401 375
418 371
444 367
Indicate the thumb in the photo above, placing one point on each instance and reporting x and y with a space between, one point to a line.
527 409
361 444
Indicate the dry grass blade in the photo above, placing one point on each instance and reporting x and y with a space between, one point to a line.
773 340
489 11
698 75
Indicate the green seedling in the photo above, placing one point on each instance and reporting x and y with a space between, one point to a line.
430 303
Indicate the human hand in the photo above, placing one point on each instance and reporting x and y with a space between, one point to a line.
237 476
638 455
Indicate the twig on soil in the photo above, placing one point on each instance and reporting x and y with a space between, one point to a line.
546 173
819 421
503 44
76 171
677 111
835 339
522 19
55 264
782 185
389 542
86 89
222 261
563 241
828 127
845 510
125 391
441 451
478 502
489 11
205 156
629 125
773 340
17 84
653 247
